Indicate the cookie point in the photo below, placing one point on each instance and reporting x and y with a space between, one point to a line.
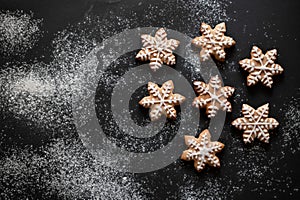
246 142
222 145
245 106
183 156
233 122
141 102
276 123
188 137
170 81
205 132
267 104
232 88
161 30
222 24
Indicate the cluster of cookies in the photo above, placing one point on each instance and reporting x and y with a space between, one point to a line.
255 123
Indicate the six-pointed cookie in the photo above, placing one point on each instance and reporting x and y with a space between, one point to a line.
213 96
161 100
213 41
158 49
202 151
261 67
255 123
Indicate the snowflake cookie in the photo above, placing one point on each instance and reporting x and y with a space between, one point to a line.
202 151
213 41
161 100
255 123
261 67
212 96
157 49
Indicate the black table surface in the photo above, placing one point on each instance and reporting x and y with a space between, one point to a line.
267 24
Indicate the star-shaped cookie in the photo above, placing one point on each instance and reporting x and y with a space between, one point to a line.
261 67
202 151
157 49
213 41
161 100
255 123
213 96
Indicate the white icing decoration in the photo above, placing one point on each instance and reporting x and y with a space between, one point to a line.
213 96
162 100
157 49
213 41
202 150
261 67
255 123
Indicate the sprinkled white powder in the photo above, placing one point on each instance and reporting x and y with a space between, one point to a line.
291 127
208 11
66 170
18 32
31 95
210 189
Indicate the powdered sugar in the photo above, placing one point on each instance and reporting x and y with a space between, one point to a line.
19 32
208 11
291 126
63 169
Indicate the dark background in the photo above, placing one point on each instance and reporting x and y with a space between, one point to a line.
249 23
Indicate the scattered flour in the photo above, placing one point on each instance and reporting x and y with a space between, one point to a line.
18 32
63 169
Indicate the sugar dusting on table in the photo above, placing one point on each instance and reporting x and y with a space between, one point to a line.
64 169
19 32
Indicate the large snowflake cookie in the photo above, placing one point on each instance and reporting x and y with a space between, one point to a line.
213 96
202 151
255 123
261 67
213 41
157 49
161 100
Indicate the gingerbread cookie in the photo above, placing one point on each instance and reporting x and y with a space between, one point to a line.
213 96
261 67
157 49
202 151
213 41
255 123
161 100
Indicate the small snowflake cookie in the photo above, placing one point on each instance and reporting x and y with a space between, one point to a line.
157 49
255 123
261 67
202 150
161 100
213 41
213 96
